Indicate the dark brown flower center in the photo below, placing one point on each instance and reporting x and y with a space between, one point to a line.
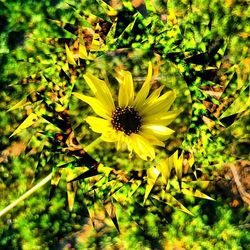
127 120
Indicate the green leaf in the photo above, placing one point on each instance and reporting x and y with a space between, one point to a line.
110 38
171 201
70 55
107 8
196 193
129 28
178 164
165 167
241 103
134 186
18 105
111 211
56 177
71 192
83 51
105 170
29 121
86 174
152 175
122 195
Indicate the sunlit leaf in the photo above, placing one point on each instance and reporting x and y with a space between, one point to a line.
70 55
83 51
129 28
149 6
152 175
122 195
178 164
29 121
134 186
18 105
196 193
199 194
165 167
111 211
86 174
171 201
55 178
110 38
191 160
97 44
209 122
71 192
91 212
241 103
105 170
108 9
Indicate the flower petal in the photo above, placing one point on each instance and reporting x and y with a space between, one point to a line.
95 104
142 147
152 98
98 125
161 132
143 93
154 95
164 118
163 103
152 139
100 90
109 136
121 138
126 90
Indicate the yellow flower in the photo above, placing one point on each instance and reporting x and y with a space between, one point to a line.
138 120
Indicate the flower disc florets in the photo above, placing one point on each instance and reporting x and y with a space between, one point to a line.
126 119
139 120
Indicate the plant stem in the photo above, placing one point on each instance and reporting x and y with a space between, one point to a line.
88 148
26 195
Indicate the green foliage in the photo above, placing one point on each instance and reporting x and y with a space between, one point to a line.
199 48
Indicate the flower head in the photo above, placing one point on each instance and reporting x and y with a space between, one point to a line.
138 120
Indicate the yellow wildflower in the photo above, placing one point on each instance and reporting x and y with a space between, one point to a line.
138 120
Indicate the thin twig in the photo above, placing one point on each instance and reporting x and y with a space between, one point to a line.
244 226
26 195
88 148
244 195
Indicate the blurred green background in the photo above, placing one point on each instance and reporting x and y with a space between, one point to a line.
202 50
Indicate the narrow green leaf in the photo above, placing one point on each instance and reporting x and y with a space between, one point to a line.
111 211
241 103
178 164
196 193
70 55
71 192
134 186
18 105
87 174
107 8
110 38
171 201
152 175
105 170
29 121
165 167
